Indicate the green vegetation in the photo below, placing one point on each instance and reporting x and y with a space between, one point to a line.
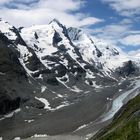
126 123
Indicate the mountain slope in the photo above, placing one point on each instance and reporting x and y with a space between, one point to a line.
52 73
125 125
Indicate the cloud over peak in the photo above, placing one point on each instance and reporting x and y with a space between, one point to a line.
31 12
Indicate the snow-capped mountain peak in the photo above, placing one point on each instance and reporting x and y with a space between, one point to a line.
68 44
56 21
7 30
95 50
79 46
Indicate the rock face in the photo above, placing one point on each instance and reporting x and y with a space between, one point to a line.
129 68
11 70
13 77
8 105
50 67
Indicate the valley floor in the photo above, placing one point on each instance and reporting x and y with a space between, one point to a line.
63 137
15 126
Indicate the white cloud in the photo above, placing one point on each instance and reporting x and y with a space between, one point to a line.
60 5
126 21
43 11
4 1
120 34
135 53
125 7
112 33
133 40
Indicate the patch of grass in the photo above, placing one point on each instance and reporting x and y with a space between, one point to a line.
128 131
125 125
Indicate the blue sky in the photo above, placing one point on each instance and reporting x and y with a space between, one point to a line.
115 21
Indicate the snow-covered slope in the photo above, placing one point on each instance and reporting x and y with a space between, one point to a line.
7 29
64 52
95 50
58 54
47 40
